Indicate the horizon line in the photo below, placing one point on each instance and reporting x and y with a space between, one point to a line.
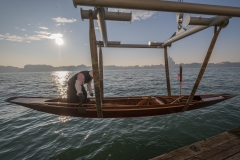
116 65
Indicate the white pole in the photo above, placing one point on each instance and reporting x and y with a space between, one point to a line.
195 29
156 5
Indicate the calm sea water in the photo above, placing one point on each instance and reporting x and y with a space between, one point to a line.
29 134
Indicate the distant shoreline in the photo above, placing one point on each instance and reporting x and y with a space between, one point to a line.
48 68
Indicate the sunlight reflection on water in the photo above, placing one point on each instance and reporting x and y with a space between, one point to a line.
86 137
64 119
60 79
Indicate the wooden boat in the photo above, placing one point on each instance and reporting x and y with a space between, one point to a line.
120 107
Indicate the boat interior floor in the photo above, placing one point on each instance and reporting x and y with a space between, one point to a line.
138 101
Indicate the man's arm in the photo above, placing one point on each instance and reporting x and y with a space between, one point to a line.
89 87
78 86
79 82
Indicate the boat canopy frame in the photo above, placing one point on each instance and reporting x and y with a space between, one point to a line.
101 14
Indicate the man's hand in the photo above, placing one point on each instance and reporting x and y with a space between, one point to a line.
91 94
81 97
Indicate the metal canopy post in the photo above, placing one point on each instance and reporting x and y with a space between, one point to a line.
167 71
93 49
101 70
201 72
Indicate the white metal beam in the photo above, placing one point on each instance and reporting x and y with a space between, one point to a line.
156 5
114 16
215 21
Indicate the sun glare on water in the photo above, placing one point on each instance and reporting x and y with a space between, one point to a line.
60 78
59 41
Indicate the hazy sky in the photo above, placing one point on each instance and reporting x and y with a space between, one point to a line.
29 29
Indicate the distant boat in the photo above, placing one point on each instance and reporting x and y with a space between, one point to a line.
120 107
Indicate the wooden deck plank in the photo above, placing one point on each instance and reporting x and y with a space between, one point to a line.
234 157
221 151
222 146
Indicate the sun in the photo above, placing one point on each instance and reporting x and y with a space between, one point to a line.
59 41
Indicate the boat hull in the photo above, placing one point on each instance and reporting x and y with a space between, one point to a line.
119 107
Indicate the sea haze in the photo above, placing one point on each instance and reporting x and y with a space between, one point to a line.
30 134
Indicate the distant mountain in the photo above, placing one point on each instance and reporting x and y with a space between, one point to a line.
212 65
5 69
171 63
42 68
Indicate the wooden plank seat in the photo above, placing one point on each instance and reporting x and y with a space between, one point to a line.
158 101
151 100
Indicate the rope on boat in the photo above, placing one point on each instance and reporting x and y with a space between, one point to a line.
204 65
